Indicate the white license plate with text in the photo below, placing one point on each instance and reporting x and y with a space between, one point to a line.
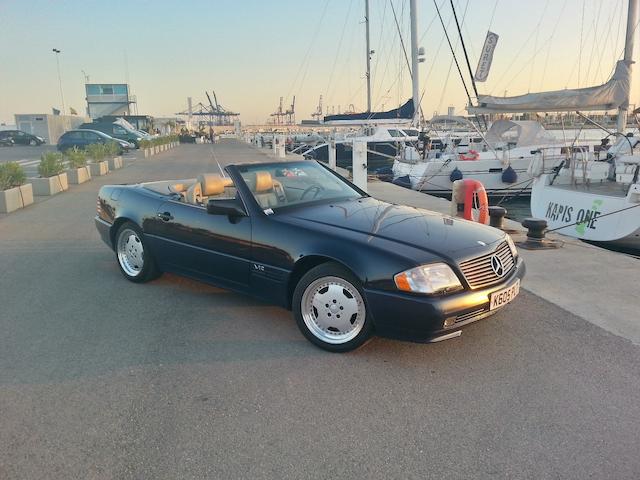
502 297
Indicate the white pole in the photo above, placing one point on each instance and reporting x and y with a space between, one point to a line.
366 21
413 10
57 52
332 154
360 163
632 19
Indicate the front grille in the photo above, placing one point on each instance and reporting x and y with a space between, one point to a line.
478 271
471 315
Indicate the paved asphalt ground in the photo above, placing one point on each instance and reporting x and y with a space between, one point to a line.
101 378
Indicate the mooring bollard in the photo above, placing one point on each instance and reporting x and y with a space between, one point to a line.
535 228
496 216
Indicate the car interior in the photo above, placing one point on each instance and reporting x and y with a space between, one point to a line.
272 188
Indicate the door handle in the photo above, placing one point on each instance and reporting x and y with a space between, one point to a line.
165 216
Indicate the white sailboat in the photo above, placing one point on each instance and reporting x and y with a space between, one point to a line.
499 162
597 199
499 159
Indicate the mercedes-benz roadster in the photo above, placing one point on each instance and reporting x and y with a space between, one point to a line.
298 235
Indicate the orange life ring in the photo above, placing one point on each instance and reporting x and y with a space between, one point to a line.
473 155
474 190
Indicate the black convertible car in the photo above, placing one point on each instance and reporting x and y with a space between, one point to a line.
298 235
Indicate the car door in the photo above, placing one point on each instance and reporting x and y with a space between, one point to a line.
20 138
189 241
89 138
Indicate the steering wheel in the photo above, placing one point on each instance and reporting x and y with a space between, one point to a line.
316 187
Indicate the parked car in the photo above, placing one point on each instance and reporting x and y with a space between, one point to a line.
22 138
82 138
298 235
114 130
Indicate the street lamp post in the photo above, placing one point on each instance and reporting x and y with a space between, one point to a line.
57 52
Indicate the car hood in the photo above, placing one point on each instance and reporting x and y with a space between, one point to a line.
433 232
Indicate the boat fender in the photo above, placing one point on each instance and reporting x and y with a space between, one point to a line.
403 181
457 197
475 194
509 175
471 155
456 175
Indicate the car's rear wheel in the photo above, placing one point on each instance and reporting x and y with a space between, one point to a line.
135 260
330 310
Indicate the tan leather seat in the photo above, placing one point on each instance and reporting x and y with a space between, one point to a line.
193 194
177 187
263 190
213 184
206 185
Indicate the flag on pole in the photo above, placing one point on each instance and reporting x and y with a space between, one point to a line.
486 57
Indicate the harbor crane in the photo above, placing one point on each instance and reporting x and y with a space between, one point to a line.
317 115
216 113
282 116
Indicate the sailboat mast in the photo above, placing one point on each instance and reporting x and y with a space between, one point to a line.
632 19
366 21
413 10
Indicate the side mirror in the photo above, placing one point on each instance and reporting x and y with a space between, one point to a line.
229 207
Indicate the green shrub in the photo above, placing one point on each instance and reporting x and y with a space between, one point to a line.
76 157
96 151
50 164
112 149
11 175
145 143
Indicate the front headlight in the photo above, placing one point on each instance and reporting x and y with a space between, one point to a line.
434 278
512 246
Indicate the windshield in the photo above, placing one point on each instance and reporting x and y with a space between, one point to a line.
277 185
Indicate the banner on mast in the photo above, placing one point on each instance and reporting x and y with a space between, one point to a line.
486 57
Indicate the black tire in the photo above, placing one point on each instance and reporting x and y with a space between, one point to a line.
332 277
33 143
138 266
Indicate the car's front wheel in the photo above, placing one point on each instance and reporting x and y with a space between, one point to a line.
33 142
135 261
330 310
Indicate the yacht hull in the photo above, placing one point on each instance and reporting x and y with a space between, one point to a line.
606 218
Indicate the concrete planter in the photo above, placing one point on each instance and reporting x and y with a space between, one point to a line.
80 175
98 169
156 149
148 152
15 198
115 163
47 186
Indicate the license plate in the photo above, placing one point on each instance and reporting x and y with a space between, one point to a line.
502 297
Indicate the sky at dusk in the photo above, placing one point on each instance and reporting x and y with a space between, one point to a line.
253 52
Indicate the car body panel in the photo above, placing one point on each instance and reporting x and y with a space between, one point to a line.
21 138
114 130
81 138
264 254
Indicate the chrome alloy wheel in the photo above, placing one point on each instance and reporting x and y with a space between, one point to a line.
130 252
333 310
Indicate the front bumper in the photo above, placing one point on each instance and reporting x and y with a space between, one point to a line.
104 229
421 318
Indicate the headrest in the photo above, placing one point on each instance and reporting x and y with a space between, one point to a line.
264 183
213 184
177 187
